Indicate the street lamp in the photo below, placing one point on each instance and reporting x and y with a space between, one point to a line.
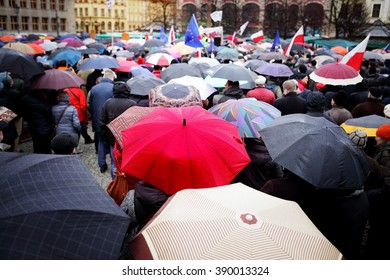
17 10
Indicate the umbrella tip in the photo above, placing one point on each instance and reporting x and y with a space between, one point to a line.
184 122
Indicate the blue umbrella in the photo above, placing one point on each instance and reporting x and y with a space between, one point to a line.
52 207
274 69
99 62
71 56
139 70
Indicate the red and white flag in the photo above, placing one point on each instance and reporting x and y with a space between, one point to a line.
355 57
299 37
171 36
258 36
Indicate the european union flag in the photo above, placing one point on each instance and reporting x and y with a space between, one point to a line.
192 34
163 36
210 49
276 44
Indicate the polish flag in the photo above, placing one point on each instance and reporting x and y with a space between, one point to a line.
258 36
171 36
198 52
299 37
355 57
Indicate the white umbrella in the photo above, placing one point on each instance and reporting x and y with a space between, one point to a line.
49 45
204 88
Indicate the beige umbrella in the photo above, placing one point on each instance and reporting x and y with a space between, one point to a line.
20 47
232 222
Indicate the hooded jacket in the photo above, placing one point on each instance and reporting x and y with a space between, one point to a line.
113 107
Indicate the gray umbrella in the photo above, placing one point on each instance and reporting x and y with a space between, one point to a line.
318 151
253 64
52 207
174 71
232 72
153 43
140 85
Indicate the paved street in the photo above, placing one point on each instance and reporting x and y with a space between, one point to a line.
89 157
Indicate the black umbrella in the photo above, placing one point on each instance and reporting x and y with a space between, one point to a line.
174 71
318 151
153 43
97 46
51 207
19 64
89 51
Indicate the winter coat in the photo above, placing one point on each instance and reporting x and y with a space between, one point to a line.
262 94
339 114
382 156
356 98
261 168
291 104
98 96
341 215
370 107
78 99
69 121
232 93
37 112
142 101
113 107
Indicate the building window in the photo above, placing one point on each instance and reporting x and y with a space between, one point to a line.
33 4
95 12
376 9
35 23
102 12
86 11
75 12
81 12
25 25
43 5
109 26
53 24
45 22
3 22
14 22
63 24
52 4
23 4
12 3
61 5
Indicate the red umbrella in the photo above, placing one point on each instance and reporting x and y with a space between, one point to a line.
181 148
336 74
57 79
161 59
125 65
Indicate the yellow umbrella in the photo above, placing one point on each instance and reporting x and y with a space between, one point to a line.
183 49
368 124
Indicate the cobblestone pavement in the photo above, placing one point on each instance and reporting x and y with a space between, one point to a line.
88 155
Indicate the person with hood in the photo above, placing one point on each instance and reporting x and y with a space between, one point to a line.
65 117
338 113
315 104
112 108
231 91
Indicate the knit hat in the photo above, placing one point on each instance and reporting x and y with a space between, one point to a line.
375 91
260 80
359 137
340 98
315 101
384 132
386 111
63 143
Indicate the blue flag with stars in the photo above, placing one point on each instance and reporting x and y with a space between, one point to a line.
192 34
276 44
163 36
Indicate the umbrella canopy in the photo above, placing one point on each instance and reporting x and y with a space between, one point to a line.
373 55
180 148
19 64
271 55
369 124
275 70
98 46
89 41
124 53
57 79
70 55
205 224
89 51
49 45
73 42
203 60
20 47
205 89
253 64
99 62
323 59
174 95
248 114
318 151
340 50
336 74
125 66
227 56
175 71
153 43
37 48
183 49
52 207
139 70
126 119
232 72
161 59
141 85
7 38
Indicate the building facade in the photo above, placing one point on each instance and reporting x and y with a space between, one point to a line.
379 9
37 16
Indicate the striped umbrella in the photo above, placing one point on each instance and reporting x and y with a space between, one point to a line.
248 114
369 124
161 59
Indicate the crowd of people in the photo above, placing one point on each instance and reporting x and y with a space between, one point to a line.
355 222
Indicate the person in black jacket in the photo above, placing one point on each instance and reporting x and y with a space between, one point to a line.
112 108
291 103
